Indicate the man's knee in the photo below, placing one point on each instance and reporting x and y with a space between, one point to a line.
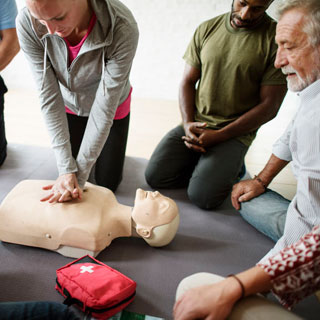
205 197
110 182
246 208
196 280
267 213
255 208
252 211
159 176
153 180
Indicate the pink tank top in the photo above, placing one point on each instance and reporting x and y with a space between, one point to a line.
124 108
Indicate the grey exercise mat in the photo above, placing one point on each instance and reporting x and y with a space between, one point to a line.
213 241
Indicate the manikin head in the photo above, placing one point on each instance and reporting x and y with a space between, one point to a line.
155 217
298 39
248 13
61 17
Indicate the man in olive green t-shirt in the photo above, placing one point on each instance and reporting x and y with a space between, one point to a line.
229 88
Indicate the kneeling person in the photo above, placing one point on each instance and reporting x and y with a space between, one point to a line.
229 88
298 56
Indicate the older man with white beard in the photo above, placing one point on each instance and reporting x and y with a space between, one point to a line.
290 273
298 56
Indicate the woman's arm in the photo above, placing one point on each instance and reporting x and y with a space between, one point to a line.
116 74
51 101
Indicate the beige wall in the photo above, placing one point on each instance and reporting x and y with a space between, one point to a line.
166 27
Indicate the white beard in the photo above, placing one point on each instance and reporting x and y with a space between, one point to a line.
297 83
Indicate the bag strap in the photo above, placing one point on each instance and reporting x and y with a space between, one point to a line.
69 300
112 307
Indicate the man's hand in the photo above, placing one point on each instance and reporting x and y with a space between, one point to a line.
210 137
65 188
244 191
198 138
193 131
210 302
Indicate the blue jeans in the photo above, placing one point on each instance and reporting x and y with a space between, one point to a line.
40 310
267 213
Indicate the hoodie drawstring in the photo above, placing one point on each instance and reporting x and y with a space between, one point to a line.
44 64
103 72
45 68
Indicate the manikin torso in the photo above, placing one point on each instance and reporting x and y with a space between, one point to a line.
78 227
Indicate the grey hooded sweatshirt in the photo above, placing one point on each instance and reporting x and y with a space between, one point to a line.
95 83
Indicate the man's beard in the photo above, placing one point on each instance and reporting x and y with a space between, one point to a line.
244 23
248 23
297 83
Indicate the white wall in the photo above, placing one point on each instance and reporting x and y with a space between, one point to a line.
166 27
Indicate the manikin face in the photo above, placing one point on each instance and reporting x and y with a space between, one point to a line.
61 17
247 13
152 209
296 57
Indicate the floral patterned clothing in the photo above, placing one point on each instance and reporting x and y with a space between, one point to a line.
295 270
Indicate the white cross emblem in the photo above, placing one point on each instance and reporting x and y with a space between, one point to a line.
86 269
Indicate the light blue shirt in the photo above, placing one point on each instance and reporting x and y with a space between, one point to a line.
8 13
300 144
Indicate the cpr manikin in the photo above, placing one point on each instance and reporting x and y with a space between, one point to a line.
84 226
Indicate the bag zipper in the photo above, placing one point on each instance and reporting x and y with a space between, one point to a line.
69 301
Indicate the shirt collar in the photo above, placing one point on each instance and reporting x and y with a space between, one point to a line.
309 92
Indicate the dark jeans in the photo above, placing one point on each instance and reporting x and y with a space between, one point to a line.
3 140
40 310
107 171
209 176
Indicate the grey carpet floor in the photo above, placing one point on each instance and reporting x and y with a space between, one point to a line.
212 241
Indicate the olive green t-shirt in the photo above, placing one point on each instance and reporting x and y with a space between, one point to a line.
234 64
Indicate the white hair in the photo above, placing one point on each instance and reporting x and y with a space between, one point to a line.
312 20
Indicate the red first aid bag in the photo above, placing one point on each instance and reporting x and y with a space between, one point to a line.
94 287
